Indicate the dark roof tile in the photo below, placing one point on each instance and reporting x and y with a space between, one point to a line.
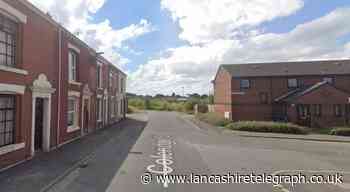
329 67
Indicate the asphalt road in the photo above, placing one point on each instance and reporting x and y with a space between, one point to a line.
173 145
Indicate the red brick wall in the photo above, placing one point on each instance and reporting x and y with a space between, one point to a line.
247 104
86 75
37 53
322 96
222 93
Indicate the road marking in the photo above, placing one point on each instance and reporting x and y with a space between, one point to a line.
164 159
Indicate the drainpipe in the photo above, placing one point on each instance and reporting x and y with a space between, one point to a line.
59 86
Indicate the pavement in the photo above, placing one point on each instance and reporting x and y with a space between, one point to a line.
46 169
133 158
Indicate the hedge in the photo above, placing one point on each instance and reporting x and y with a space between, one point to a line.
267 127
341 131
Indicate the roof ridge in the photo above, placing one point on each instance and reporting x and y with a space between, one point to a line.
286 62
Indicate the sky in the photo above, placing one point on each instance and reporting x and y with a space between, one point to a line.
168 46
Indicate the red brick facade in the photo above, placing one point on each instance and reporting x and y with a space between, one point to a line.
258 102
39 82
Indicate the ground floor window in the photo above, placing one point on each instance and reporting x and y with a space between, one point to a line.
72 112
318 110
112 107
338 112
99 109
303 111
7 120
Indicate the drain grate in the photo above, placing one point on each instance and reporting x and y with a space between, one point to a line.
135 152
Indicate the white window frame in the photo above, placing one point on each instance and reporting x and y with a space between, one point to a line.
99 71
121 84
72 65
111 79
75 126
294 80
99 110
245 84
112 107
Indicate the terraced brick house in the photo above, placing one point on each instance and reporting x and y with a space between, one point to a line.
313 93
52 85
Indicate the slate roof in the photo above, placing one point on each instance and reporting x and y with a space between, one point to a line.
329 67
297 93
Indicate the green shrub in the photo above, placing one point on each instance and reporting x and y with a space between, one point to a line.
132 109
341 131
137 103
270 127
202 108
213 119
189 106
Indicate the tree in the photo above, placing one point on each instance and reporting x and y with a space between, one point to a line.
211 99
147 104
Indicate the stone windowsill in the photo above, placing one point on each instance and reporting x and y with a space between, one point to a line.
13 70
73 129
75 83
11 148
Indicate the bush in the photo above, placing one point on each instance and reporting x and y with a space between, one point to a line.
137 103
341 131
202 108
213 119
189 106
131 110
269 127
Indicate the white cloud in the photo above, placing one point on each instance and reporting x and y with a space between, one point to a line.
77 17
203 21
193 66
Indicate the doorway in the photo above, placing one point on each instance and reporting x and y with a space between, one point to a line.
304 115
105 114
347 114
39 124
86 114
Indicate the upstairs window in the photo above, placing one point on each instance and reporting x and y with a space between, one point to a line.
329 80
264 98
245 84
72 62
111 80
292 83
121 85
8 34
99 75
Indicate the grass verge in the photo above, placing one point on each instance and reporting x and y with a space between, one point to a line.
213 119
